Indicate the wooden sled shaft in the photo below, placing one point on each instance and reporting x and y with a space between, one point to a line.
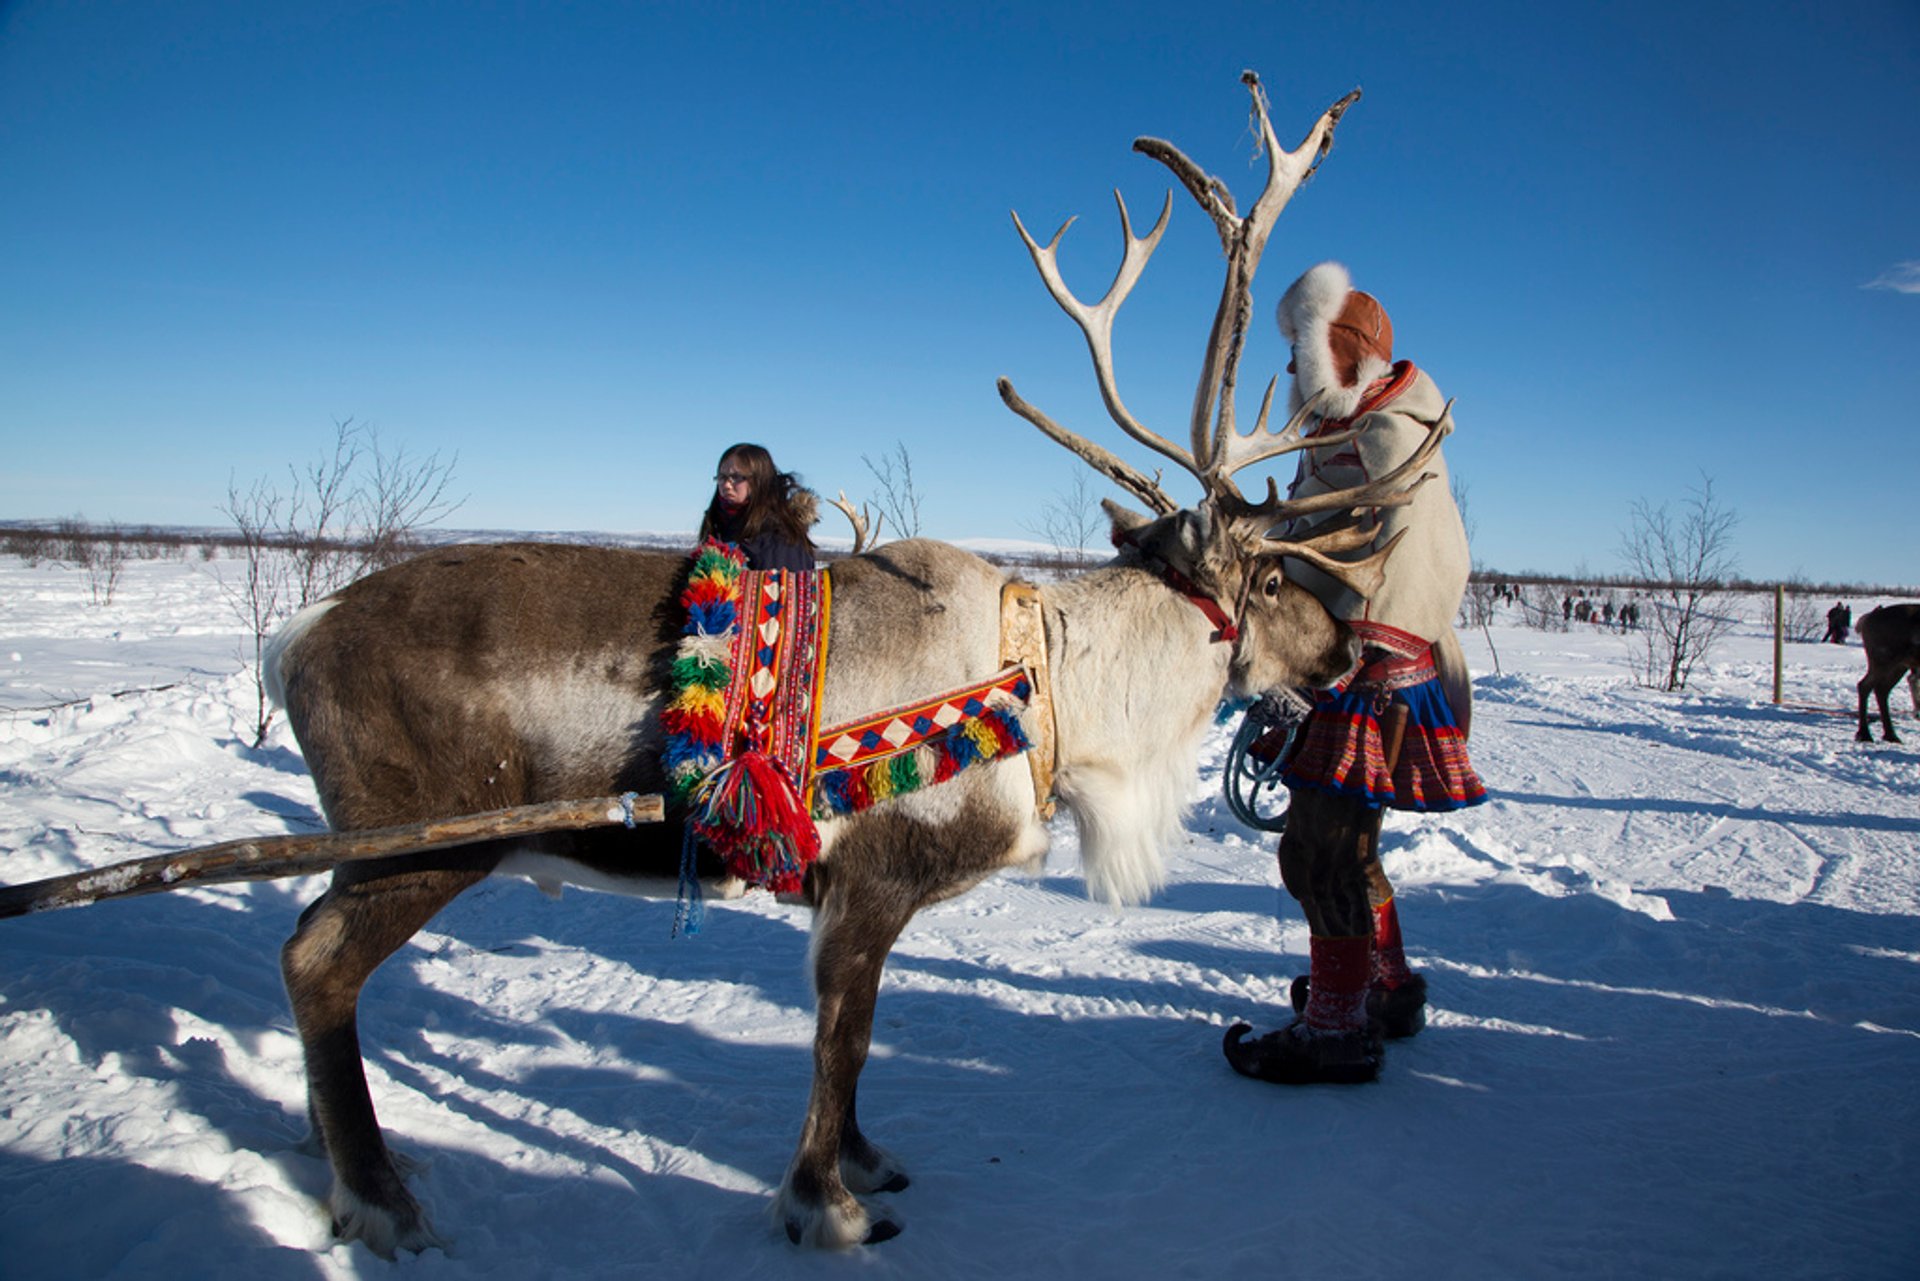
271 857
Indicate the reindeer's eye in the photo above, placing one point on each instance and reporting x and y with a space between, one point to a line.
1271 588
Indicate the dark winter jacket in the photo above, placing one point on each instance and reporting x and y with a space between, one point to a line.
768 549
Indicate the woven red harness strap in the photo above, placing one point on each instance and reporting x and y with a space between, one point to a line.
879 735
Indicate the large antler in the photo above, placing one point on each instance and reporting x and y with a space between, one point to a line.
1139 484
1217 448
1096 323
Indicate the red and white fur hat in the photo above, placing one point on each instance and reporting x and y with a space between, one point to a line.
1342 339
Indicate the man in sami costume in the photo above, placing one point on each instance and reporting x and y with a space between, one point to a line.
1395 733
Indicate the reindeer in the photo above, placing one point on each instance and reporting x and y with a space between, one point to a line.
1891 637
476 678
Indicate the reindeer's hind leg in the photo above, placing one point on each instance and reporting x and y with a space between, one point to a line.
1870 684
340 940
1866 690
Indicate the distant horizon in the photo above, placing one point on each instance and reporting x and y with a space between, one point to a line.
987 545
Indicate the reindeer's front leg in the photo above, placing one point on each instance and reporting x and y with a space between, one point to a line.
857 925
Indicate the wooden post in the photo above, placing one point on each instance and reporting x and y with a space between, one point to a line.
1779 639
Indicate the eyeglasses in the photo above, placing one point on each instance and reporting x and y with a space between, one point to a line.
732 478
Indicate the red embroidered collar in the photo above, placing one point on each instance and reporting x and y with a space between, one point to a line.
1380 393
1403 644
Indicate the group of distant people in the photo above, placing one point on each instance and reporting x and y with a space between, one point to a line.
1576 608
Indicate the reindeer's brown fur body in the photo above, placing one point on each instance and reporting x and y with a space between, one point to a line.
1891 637
484 677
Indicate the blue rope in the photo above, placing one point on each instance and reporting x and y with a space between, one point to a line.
1246 780
690 910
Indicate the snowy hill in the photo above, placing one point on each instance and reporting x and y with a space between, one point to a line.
1675 966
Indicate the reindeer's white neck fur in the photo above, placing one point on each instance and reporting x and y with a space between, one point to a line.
1136 679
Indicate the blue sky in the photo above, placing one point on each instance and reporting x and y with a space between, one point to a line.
587 246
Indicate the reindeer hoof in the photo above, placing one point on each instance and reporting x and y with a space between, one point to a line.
385 1217
866 1168
382 1231
882 1230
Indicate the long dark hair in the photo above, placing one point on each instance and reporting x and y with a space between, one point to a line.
772 500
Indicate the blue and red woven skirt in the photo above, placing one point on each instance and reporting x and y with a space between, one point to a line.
1342 747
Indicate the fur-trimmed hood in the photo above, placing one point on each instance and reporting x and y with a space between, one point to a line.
1308 312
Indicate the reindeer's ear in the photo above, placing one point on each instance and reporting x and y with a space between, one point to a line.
1125 520
1180 540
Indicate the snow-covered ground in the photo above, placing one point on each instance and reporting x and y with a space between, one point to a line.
1675 966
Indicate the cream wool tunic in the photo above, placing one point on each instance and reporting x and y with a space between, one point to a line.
1426 575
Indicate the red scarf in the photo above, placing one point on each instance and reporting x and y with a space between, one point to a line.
1380 393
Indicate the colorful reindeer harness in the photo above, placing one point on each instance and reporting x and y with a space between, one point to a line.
746 757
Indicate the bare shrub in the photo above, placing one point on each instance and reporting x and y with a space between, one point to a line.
104 557
356 507
1477 602
403 494
69 541
1541 608
316 507
30 545
897 498
100 553
1686 560
261 598
1070 522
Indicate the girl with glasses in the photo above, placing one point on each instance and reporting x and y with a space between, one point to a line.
761 510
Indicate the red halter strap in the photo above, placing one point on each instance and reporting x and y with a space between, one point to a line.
1225 629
